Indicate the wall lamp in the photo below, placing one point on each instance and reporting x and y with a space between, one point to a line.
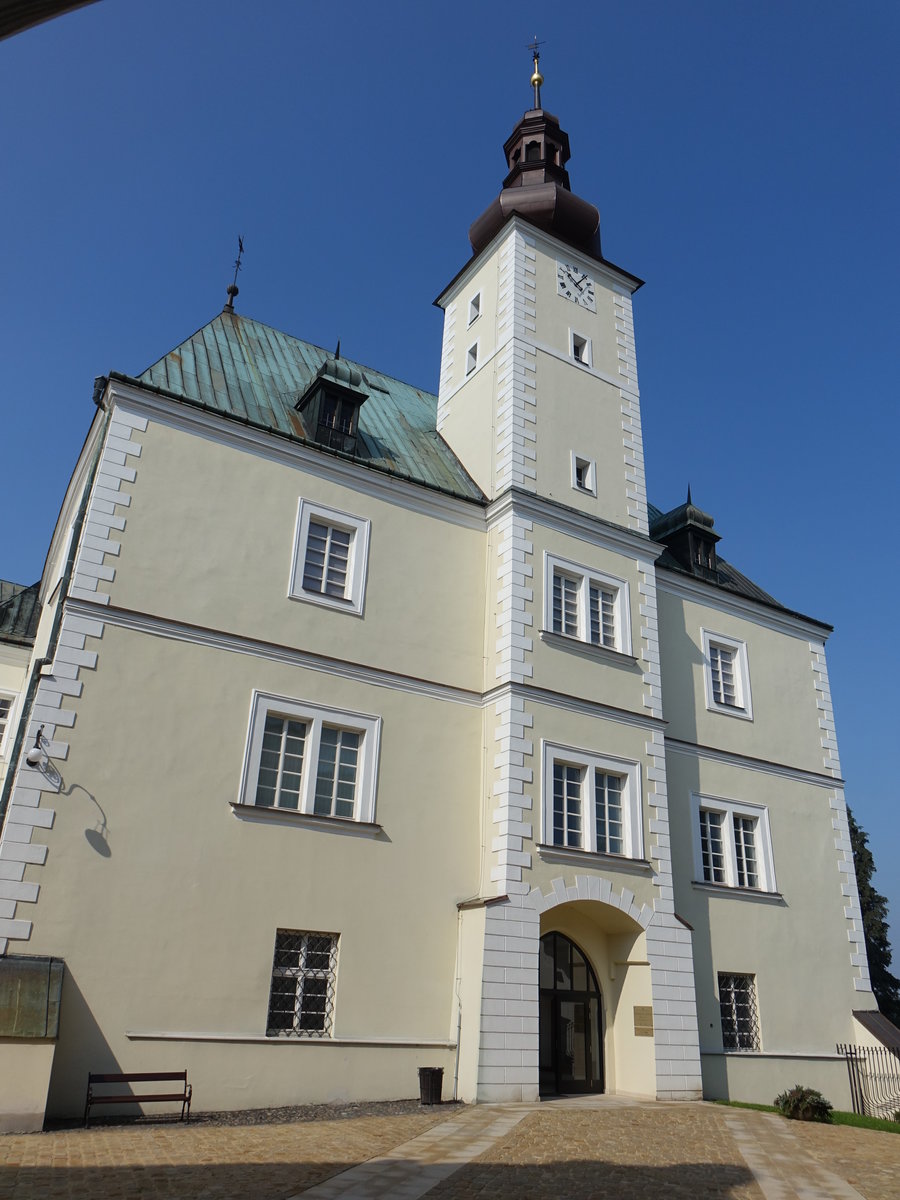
35 755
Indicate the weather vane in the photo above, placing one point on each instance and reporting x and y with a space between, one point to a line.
537 78
233 289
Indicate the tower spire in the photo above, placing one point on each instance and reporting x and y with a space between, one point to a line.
536 78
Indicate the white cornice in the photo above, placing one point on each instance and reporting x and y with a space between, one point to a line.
619 383
174 1035
619 280
711 596
831 782
563 519
215 426
198 635
575 704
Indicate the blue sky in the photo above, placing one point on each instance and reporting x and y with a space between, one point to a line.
744 160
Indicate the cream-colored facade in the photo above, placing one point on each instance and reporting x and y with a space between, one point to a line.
582 824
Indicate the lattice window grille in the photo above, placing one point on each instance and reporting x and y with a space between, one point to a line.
327 564
301 1000
721 665
739 1012
712 847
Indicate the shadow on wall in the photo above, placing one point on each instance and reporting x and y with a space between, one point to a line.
81 1048
575 1180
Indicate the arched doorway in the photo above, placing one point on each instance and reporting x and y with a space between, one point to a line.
571 1043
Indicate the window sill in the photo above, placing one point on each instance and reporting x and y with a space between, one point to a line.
737 893
342 604
289 816
730 710
565 642
608 862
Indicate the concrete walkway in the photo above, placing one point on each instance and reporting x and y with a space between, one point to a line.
597 1148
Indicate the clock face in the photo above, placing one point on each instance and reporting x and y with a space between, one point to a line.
575 284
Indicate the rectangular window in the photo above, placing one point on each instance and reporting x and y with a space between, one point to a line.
475 307
740 1017
612 824
584 474
580 347
727 675
6 703
311 760
471 358
301 999
327 566
567 826
586 605
608 791
330 558
733 845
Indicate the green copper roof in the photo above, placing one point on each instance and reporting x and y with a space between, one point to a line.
249 371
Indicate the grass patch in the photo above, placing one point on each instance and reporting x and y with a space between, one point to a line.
856 1120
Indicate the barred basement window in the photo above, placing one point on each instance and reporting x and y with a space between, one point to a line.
301 1001
740 1016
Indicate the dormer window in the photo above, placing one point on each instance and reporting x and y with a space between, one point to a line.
330 405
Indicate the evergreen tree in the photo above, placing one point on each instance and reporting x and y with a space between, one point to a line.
874 913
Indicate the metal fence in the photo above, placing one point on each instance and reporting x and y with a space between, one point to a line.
874 1079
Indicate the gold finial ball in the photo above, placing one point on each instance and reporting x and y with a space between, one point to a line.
537 79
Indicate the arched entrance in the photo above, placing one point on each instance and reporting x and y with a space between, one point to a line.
571 1042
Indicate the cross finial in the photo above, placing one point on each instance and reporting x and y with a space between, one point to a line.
232 289
537 78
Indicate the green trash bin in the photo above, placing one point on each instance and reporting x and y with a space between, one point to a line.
431 1080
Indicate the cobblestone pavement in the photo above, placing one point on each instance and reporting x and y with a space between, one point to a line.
597 1149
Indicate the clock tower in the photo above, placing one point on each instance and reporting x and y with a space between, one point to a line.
539 399
538 385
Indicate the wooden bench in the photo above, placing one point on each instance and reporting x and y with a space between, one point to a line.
120 1097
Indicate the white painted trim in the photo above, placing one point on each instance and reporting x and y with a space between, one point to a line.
550 514
263 703
587 359
752 764
168 1035
200 636
193 418
590 474
590 760
743 708
587 575
762 840
308 510
711 596
575 704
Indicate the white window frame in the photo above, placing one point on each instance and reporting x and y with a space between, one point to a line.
6 736
585 576
590 474
315 715
729 809
743 706
580 341
590 761
352 601
472 359
474 308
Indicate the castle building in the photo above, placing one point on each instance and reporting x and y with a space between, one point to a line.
370 729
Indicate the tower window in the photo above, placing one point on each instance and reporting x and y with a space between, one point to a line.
472 358
584 474
580 348
533 152
475 307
